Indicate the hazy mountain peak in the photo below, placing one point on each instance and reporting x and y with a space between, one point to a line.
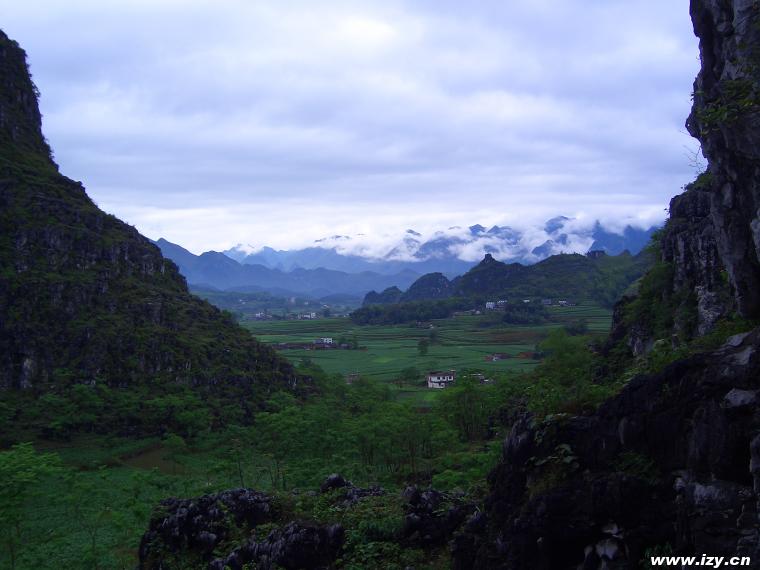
556 223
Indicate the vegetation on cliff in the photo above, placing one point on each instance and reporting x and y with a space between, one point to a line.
94 322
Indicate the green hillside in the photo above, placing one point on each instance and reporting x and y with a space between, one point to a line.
570 276
89 309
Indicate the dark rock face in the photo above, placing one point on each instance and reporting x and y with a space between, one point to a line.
432 517
349 493
691 246
199 525
84 298
672 462
198 529
20 119
294 547
727 207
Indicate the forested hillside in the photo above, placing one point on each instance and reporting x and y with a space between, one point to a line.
87 304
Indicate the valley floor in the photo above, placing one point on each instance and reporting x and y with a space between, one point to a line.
88 506
460 343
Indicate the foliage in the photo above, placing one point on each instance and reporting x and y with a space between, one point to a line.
467 406
525 314
734 100
564 381
388 296
568 276
21 470
550 471
407 312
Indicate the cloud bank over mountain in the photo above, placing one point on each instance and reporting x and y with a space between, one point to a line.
452 250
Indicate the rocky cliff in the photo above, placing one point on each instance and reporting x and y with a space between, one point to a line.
672 464
726 121
713 237
84 298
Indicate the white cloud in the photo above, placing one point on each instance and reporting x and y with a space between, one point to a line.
214 123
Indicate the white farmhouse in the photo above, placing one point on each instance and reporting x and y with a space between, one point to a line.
439 380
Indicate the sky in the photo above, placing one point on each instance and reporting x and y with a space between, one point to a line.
278 122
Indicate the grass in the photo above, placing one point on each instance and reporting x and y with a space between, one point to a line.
462 343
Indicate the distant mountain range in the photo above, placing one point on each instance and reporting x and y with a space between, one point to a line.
344 265
217 271
450 252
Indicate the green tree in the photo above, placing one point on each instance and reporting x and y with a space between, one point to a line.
564 382
466 407
422 346
21 470
409 375
278 434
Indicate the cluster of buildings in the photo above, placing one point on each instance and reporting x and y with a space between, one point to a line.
502 303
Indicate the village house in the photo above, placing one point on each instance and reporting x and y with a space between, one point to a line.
501 303
324 340
546 302
439 380
490 305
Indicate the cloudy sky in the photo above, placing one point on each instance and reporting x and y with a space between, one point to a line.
278 122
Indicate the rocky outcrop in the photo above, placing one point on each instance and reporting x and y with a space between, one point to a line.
717 221
293 547
671 464
20 119
690 246
432 517
215 531
346 492
712 239
84 298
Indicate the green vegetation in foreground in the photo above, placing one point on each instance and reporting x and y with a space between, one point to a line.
84 503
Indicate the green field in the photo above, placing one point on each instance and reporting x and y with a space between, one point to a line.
462 342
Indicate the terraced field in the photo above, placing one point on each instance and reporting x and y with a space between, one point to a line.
460 342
